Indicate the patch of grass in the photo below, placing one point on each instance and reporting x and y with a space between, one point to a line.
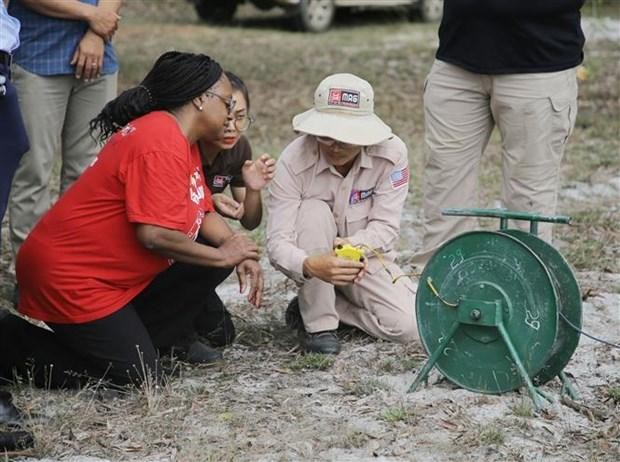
601 8
523 409
355 439
613 394
365 387
592 240
388 365
492 435
392 365
397 414
313 361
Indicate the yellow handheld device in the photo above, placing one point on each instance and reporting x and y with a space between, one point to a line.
349 252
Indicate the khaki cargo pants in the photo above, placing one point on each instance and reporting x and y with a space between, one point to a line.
535 114
57 111
374 305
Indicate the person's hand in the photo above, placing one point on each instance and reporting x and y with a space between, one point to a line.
227 206
2 85
237 248
250 271
104 23
88 57
335 270
257 173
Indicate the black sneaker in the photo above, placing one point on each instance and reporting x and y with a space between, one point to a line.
9 414
325 342
200 353
292 316
15 441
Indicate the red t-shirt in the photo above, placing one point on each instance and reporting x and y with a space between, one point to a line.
83 261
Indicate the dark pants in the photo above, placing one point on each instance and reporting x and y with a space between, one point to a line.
121 348
13 139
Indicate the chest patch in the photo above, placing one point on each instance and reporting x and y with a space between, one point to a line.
221 181
359 195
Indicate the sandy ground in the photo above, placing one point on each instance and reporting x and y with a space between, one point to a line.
263 405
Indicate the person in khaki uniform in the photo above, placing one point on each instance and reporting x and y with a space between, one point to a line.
344 180
510 65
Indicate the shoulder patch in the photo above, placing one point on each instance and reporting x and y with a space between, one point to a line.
399 178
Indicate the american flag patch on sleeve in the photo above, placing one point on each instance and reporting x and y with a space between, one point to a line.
399 178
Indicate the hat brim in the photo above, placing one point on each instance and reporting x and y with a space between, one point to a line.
361 130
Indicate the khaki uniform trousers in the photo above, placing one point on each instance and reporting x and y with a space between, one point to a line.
374 305
57 111
535 114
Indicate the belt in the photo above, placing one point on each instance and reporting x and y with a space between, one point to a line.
5 58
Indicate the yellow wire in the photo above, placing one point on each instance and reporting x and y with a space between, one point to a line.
429 283
382 262
429 280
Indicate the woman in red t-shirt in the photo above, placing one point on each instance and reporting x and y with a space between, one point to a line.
135 211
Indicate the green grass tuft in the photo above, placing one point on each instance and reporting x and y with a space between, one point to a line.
314 361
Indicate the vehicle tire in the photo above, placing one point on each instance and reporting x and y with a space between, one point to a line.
216 11
431 10
315 15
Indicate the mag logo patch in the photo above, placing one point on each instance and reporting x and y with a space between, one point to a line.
342 97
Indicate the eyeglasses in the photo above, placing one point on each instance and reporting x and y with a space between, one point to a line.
230 103
243 122
326 141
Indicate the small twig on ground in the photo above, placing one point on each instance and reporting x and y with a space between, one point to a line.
589 412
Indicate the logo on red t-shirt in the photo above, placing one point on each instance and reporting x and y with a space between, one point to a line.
196 187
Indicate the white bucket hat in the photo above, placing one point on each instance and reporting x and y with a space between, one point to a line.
343 110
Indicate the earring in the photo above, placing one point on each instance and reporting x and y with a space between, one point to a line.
200 108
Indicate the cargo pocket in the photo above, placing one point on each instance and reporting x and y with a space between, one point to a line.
563 120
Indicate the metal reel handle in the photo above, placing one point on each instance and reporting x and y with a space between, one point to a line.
504 215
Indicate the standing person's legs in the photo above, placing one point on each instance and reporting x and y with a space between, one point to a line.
13 139
458 124
379 307
316 231
78 147
535 114
116 348
43 101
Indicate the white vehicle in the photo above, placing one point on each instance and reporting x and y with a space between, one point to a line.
314 15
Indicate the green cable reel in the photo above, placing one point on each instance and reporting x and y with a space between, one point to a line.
495 308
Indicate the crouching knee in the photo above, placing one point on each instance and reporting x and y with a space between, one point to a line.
403 330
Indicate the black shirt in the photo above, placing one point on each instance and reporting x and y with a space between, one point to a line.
226 168
511 36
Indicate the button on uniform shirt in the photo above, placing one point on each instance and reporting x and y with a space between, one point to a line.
48 44
9 30
367 203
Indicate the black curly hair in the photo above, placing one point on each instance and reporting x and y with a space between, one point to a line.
175 79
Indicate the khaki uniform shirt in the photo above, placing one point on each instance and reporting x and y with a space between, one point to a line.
367 203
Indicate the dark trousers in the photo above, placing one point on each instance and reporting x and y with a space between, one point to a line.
121 348
13 139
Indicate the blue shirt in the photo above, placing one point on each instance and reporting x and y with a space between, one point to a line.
9 30
48 44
